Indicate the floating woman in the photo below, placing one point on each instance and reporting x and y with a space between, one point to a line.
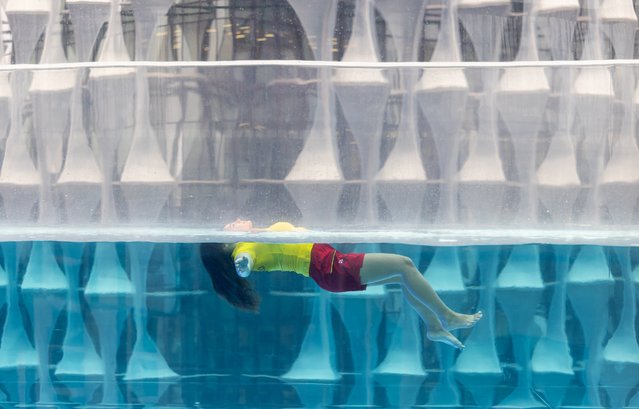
229 265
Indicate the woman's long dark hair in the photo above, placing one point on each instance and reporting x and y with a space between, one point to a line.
219 263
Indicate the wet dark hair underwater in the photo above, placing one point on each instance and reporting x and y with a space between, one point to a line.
221 268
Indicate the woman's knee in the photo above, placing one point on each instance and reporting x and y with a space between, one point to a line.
382 266
406 265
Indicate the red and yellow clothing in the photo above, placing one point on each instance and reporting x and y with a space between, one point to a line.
277 257
330 269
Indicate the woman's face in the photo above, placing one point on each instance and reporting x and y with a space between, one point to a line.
239 225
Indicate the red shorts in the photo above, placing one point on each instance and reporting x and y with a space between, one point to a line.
335 271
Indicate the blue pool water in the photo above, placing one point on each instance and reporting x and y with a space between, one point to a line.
138 323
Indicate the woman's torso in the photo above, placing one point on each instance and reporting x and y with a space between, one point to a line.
295 257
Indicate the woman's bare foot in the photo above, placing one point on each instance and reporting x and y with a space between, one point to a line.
456 321
441 335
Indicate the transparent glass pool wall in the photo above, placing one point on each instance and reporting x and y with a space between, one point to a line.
424 122
137 322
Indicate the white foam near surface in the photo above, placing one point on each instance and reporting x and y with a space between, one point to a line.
613 236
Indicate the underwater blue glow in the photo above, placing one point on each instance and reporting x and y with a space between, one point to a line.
138 323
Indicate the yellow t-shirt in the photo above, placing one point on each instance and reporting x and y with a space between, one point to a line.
284 226
295 257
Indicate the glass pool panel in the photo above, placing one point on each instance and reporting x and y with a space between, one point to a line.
138 322
492 142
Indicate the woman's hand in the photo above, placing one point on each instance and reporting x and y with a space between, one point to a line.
242 266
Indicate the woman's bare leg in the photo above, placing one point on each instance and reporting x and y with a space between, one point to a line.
434 329
381 266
